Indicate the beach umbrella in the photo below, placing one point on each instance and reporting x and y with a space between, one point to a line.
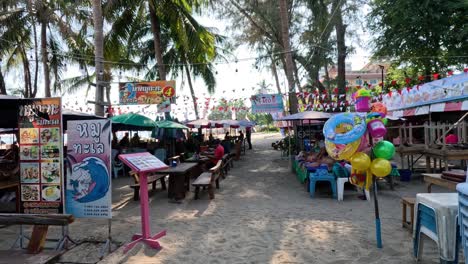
199 123
307 115
132 121
246 123
169 125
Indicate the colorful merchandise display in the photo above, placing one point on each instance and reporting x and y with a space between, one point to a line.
347 136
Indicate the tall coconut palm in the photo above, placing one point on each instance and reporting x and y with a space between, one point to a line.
99 55
288 55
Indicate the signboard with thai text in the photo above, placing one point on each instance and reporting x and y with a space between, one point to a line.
88 190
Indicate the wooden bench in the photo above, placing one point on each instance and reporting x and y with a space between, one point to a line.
407 201
209 179
237 150
41 225
152 179
227 164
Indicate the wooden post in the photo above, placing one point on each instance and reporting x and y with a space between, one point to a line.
410 132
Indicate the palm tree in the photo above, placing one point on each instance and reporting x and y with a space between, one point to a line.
288 55
99 55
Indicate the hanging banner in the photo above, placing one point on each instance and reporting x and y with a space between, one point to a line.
444 90
41 147
267 103
155 92
88 189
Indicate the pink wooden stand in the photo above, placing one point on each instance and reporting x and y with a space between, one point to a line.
145 236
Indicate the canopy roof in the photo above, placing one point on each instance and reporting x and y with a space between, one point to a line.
199 123
132 121
169 124
307 115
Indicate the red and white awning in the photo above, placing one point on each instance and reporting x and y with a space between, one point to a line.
424 110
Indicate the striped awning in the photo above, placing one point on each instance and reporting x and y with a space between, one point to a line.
424 110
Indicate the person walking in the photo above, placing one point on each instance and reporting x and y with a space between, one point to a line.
248 134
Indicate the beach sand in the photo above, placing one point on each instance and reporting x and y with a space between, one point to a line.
261 214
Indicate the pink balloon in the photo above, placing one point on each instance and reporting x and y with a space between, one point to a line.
364 143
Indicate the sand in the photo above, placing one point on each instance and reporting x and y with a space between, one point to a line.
261 214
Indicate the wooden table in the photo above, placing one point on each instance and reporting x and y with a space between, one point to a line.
436 179
12 184
179 179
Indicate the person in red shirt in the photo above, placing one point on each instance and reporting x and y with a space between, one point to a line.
218 155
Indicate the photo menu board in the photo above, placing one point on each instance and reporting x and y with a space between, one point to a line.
40 146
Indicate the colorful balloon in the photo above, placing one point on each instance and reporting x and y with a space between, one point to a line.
384 149
380 167
360 161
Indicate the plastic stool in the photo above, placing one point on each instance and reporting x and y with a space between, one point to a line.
321 174
340 187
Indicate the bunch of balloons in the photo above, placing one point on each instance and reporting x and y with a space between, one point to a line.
346 138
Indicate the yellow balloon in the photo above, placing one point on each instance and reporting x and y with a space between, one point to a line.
360 161
341 151
380 167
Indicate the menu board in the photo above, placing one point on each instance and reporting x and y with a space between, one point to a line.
143 162
40 143
88 182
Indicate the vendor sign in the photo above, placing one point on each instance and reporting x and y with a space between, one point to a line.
88 189
40 143
156 92
267 103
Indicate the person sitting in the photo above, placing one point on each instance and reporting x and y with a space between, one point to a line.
226 145
210 139
125 141
135 142
226 136
218 155
241 136
115 142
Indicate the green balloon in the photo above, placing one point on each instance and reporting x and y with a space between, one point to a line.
384 150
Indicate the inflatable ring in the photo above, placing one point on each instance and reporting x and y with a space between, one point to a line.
342 151
356 121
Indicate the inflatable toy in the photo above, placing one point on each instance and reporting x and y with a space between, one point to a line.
341 151
358 128
363 97
384 149
364 144
376 128
360 161
380 167
379 107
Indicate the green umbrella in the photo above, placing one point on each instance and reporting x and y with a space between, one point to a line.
132 121
169 124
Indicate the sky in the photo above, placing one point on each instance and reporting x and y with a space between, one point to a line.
234 80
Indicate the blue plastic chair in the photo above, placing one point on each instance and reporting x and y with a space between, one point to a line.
426 223
321 174
462 189
116 165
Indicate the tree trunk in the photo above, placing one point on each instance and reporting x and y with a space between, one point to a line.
275 74
341 48
36 58
156 29
27 76
192 92
288 56
45 64
98 56
2 84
